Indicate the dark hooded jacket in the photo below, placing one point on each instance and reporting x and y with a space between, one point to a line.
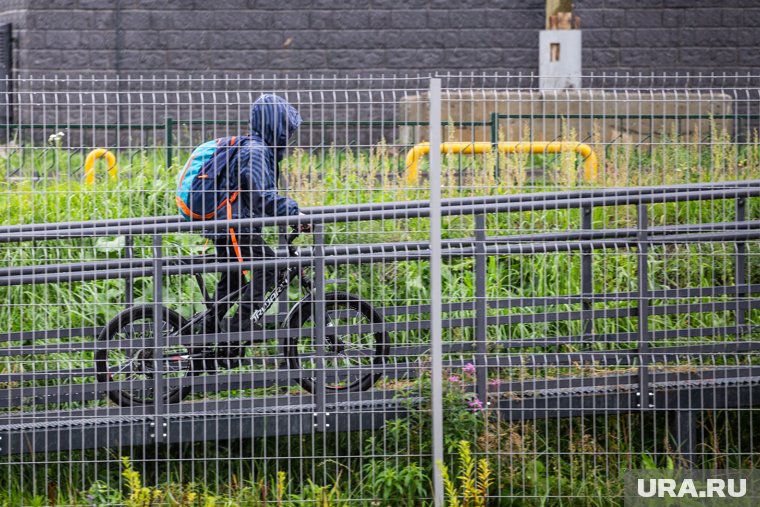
237 177
255 165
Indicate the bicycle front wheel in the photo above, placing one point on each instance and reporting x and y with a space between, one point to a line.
353 355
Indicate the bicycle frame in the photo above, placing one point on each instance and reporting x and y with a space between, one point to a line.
285 278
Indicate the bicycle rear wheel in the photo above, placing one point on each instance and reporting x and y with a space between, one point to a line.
353 355
132 359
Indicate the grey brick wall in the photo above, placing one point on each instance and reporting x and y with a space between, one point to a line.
69 38
374 36
707 36
141 36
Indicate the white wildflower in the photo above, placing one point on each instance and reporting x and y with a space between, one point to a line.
56 139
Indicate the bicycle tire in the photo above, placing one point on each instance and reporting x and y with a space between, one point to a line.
303 314
112 330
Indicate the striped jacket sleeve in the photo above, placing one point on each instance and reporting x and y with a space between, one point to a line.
257 180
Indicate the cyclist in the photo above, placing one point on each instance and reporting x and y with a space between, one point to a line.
247 177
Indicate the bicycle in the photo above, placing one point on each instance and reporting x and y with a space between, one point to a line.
135 327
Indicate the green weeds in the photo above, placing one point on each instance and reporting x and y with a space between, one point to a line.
580 459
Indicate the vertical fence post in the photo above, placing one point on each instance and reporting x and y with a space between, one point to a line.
157 345
481 310
436 328
587 273
169 140
320 416
282 304
495 142
741 264
129 282
683 428
645 400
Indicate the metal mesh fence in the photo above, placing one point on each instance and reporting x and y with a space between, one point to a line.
504 292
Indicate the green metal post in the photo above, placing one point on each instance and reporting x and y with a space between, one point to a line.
495 141
169 139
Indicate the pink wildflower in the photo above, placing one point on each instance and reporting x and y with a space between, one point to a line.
476 405
454 379
469 369
495 382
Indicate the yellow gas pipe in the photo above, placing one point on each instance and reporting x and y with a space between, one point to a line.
589 157
89 164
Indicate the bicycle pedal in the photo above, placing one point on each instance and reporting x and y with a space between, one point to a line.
204 365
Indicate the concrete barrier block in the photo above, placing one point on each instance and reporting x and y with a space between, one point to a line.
591 116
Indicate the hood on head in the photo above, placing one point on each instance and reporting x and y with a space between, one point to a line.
274 119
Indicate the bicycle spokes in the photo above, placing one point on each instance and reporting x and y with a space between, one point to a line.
349 347
135 365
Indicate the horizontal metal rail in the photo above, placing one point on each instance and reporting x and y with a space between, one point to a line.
403 205
725 115
72 272
556 325
505 206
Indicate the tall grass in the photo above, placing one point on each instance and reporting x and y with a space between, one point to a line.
581 458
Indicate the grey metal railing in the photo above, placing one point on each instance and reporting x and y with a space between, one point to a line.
34 399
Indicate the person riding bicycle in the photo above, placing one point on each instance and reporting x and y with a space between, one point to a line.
235 178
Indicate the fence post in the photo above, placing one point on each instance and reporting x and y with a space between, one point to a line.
282 304
158 428
481 311
741 264
587 275
683 429
436 328
129 281
320 417
645 398
169 139
495 142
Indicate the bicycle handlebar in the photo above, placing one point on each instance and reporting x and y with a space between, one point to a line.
290 238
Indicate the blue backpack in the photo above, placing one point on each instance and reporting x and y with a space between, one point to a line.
205 185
